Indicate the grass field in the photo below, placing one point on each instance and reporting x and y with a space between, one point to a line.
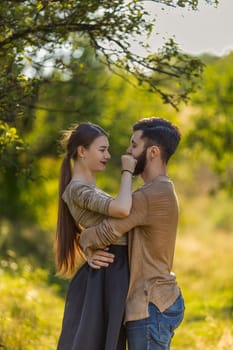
31 308
204 268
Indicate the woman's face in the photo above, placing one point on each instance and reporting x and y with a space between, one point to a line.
97 155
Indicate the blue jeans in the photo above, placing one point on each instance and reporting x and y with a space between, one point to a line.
156 331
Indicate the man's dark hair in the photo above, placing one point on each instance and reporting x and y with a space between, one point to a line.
159 132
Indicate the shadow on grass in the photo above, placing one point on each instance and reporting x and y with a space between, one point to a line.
60 284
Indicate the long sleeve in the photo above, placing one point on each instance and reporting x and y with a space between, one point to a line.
109 230
154 219
91 198
88 204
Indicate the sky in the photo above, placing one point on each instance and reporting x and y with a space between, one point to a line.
208 30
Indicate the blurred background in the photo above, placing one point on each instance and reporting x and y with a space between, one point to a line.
62 64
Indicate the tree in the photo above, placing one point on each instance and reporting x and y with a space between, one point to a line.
59 105
212 125
39 36
63 103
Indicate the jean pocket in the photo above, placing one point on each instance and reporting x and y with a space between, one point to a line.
174 314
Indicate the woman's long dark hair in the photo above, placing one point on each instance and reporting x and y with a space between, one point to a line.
66 244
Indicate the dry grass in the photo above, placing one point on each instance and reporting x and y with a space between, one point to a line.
204 268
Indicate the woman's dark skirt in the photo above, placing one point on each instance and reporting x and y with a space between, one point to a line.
95 304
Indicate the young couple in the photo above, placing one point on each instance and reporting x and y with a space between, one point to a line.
127 283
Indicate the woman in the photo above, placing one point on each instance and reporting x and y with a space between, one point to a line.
95 300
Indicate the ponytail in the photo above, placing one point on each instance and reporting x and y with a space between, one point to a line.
66 245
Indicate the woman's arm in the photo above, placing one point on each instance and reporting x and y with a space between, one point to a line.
81 195
120 206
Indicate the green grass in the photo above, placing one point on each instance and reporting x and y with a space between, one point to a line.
30 311
31 307
203 266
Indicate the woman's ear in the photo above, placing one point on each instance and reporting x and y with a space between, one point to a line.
81 151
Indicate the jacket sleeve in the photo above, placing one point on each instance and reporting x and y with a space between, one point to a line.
109 230
91 198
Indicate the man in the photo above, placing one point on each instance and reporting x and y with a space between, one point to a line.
154 306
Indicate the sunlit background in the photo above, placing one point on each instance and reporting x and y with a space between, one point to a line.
32 297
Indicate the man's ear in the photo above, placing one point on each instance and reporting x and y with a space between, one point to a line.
154 152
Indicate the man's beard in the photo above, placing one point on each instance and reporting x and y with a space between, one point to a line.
141 163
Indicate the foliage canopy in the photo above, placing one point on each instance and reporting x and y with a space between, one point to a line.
43 35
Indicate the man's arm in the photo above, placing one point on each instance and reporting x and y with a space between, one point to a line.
109 230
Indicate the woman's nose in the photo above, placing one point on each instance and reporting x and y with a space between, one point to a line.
129 150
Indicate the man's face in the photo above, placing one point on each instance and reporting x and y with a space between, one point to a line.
138 151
